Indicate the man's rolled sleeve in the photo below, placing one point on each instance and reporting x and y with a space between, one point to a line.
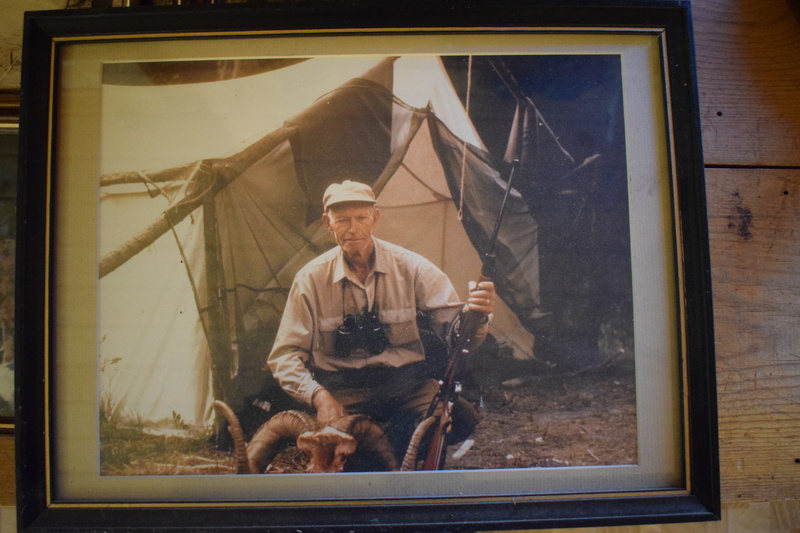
292 348
290 370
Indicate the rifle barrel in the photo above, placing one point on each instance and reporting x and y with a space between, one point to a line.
469 325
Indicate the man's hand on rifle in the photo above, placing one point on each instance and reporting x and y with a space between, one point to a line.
481 297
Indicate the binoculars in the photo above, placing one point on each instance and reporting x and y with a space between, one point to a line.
360 331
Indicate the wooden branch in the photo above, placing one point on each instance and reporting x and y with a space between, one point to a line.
221 171
116 258
171 174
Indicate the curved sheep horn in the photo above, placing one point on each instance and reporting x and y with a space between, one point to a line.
254 457
410 460
263 447
370 437
235 429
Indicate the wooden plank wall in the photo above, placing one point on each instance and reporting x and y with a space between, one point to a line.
748 60
748 55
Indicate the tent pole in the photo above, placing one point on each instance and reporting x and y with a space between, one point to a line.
216 331
162 176
169 218
226 170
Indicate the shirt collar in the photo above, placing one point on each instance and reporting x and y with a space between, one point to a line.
381 264
339 269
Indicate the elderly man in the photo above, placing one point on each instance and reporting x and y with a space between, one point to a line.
349 340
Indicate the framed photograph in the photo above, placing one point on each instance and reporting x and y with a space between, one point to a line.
204 274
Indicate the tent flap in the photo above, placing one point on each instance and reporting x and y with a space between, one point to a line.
517 265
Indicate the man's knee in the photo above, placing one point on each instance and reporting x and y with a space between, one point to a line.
465 419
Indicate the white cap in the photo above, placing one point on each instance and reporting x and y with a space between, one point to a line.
348 191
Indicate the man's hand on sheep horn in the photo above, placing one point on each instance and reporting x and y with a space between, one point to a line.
328 409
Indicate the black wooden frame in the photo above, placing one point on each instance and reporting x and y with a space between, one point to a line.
38 511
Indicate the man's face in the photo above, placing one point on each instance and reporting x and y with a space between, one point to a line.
351 225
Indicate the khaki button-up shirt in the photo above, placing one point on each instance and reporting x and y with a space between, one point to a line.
402 282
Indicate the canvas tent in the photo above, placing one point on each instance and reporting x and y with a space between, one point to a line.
197 253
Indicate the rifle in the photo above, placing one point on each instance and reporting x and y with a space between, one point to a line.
449 386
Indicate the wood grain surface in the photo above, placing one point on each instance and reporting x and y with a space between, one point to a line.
748 70
754 222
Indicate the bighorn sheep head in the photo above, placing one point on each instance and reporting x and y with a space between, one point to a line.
328 448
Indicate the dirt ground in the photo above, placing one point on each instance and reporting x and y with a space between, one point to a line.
540 417
548 418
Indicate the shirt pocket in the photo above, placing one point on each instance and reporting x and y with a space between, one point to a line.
327 335
400 325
